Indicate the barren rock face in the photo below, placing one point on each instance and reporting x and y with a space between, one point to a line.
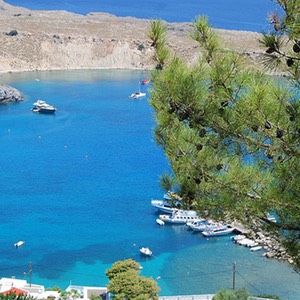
9 94
44 40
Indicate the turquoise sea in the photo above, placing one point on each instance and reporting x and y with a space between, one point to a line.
77 185
227 14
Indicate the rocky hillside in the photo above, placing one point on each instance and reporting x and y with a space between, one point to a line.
44 40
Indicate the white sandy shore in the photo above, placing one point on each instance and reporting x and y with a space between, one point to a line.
55 40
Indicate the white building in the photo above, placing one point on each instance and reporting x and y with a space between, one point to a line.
35 290
86 292
38 291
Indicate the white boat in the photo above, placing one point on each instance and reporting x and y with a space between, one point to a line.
238 237
256 248
180 217
271 218
137 95
42 107
222 230
247 242
160 222
165 206
146 251
203 225
19 244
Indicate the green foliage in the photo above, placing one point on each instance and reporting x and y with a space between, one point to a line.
94 297
55 288
125 282
73 294
122 267
231 135
283 40
13 296
206 37
231 295
167 182
157 34
268 296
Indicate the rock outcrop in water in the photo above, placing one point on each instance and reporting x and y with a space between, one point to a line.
9 94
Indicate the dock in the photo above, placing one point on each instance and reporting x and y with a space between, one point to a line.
238 228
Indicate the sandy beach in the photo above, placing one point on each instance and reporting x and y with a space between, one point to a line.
54 40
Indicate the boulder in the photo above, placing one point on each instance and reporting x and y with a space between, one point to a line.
9 94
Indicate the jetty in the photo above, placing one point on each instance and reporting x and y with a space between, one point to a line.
238 228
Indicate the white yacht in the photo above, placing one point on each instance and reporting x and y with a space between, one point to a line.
42 107
180 216
165 206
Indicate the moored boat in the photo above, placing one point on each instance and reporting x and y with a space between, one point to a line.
165 206
203 225
180 217
40 106
137 95
247 242
255 248
160 222
145 81
19 244
238 237
220 231
146 251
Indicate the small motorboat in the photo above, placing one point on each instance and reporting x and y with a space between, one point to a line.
137 95
222 230
145 81
160 222
19 244
146 251
256 248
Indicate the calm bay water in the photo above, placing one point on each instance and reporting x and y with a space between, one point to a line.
228 14
77 187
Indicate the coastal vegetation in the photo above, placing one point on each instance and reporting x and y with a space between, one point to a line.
231 295
126 283
230 132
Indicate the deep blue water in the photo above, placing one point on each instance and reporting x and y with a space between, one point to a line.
77 185
228 14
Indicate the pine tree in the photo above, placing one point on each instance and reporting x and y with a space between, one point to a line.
231 134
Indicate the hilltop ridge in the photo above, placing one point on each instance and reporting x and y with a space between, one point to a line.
52 40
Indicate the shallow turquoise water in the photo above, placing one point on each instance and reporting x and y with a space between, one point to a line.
77 187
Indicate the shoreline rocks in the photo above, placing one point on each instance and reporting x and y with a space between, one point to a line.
271 244
9 94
